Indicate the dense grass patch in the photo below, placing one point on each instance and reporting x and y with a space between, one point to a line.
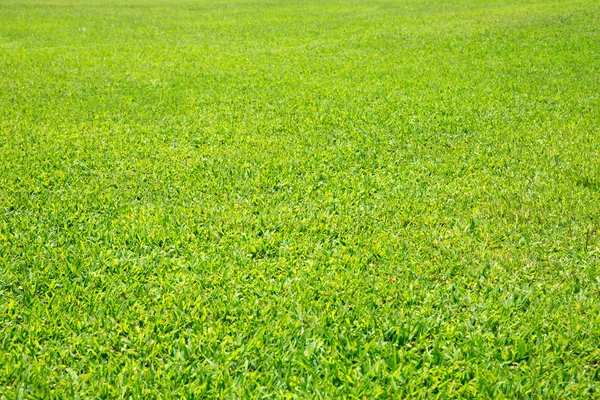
299 198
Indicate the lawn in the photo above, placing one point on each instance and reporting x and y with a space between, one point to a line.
299 199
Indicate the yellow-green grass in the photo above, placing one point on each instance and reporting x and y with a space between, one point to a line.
322 199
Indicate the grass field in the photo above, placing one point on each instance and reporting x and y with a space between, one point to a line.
323 199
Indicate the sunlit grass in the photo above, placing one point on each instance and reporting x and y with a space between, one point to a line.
299 199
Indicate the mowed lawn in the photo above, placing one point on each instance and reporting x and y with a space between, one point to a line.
309 199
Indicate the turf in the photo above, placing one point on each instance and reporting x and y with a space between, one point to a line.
321 199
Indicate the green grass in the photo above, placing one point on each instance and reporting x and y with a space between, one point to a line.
324 199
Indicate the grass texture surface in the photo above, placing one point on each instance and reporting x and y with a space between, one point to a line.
299 199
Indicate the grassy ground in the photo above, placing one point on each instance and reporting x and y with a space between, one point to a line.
299 198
